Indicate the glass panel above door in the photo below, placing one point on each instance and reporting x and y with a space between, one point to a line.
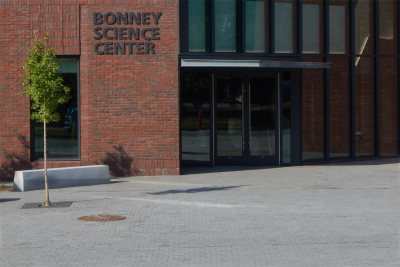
255 25
284 34
311 24
225 25
197 26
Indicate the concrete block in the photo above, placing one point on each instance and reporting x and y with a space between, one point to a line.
61 177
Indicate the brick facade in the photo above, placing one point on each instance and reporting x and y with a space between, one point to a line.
129 103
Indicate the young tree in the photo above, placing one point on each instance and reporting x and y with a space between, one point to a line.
44 85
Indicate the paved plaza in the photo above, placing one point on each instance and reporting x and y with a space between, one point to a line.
344 214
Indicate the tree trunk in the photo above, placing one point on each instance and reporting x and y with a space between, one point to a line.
46 187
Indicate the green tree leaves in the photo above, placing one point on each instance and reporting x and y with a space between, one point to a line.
43 82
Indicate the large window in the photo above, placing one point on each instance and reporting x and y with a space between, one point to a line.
387 24
364 41
311 26
250 26
62 136
337 26
195 117
284 30
225 25
197 26
255 20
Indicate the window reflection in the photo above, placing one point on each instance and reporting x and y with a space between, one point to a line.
262 116
229 118
311 25
195 117
337 26
284 34
363 41
386 27
255 25
225 25
197 26
62 136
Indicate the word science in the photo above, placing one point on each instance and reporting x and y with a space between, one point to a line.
123 33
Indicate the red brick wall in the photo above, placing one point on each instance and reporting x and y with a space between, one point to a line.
389 98
313 111
339 97
389 78
339 106
129 103
365 106
14 106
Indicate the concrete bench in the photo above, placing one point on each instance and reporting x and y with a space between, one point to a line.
61 177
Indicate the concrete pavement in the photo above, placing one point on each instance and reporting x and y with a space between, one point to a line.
331 215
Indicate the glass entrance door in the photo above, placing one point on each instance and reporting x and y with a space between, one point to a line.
246 120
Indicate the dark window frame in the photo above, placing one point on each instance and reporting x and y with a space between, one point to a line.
350 53
240 31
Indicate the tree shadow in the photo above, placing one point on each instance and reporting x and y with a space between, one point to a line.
120 162
15 161
195 190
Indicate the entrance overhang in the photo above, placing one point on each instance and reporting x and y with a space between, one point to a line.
223 63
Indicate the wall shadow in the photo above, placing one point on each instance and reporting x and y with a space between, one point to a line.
195 190
15 161
8 199
120 162
364 162
217 169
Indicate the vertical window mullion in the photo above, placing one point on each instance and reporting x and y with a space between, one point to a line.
377 80
325 38
397 17
183 26
209 26
239 26
352 80
298 31
272 27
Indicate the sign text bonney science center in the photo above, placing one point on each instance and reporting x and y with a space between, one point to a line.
126 32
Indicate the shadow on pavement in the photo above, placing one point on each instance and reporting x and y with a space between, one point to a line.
365 162
8 199
117 182
195 190
342 162
207 169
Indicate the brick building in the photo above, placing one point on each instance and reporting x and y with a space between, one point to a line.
162 84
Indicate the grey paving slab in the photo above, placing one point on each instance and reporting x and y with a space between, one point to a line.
331 215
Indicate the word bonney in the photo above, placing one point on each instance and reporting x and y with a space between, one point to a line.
126 32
